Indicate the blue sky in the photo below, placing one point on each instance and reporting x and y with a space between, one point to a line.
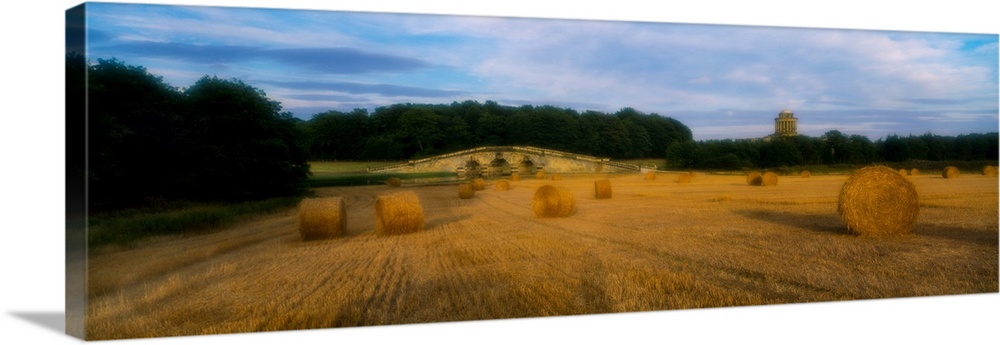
723 81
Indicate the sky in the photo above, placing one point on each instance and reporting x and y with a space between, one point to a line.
722 81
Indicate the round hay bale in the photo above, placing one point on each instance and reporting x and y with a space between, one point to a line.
684 178
914 172
550 201
515 177
650 176
990 170
602 189
769 179
398 213
393 182
479 184
321 218
950 172
466 191
556 177
902 172
502 185
877 201
540 175
805 173
754 178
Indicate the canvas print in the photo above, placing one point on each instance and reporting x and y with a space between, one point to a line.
234 170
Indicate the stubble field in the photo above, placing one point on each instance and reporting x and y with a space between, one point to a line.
655 245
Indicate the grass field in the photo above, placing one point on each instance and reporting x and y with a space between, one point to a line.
125 227
342 174
128 226
320 168
654 245
661 164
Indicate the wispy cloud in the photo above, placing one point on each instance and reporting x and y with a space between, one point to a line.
323 60
359 88
695 73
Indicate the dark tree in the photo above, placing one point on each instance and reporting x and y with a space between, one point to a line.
809 148
591 140
936 150
458 134
780 152
421 132
894 149
334 135
917 147
862 150
640 142
403 131
493 129
727 161
237 144
682 154
76 137
134 128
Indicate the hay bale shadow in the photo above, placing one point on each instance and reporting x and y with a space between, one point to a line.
831 223
432 224
823 223
954 233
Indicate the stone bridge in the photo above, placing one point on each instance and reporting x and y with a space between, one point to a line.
499 161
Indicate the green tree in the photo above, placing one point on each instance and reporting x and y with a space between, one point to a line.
237 144
523 130
470 112
420 131
640 143
615 138
133 126
894 149
383 147
425 129
336 135
727 161
835 148
682 154
862 150
76 150
590 133
809 148
918 148
780 152
936 150
556 128
458 135
492 129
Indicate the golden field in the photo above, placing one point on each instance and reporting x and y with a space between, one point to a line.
654 245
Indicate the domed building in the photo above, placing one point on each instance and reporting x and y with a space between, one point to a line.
785 125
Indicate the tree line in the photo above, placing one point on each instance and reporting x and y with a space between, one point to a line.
225 140
404 131
147 141
833 147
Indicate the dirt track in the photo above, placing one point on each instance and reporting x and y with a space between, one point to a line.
654 245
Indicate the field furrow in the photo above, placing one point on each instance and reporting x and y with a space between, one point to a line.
655 245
